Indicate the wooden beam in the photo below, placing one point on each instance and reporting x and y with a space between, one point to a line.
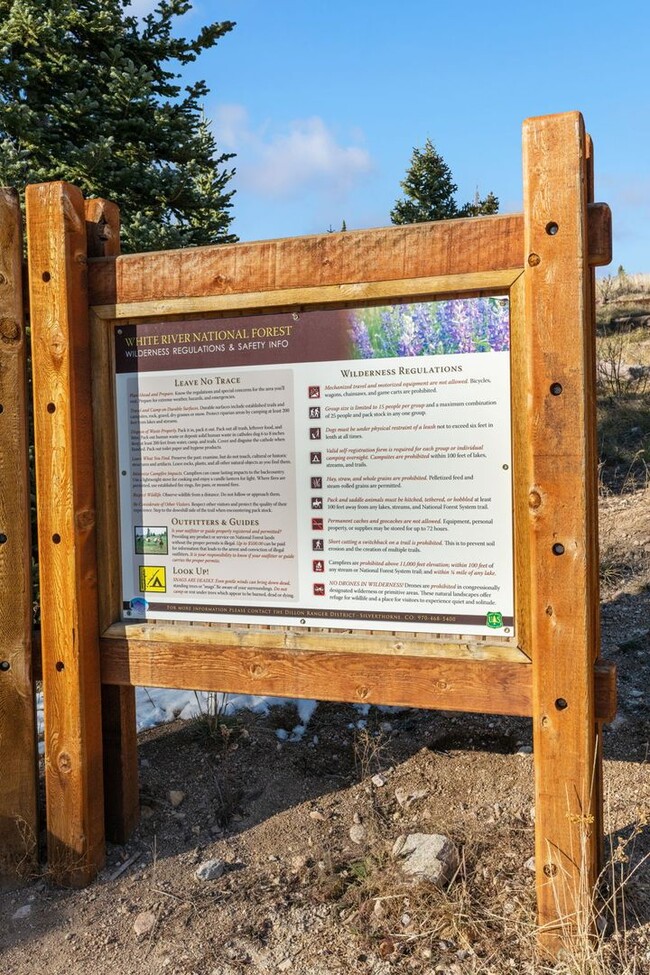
102 228
454 685
599 233
598 782
152 655
563 513
247 636
18 792
431 288
120 744
66 513
448 248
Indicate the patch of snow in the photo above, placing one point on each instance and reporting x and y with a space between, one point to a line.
158 705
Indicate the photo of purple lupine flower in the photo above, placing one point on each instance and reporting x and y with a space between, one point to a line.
431 328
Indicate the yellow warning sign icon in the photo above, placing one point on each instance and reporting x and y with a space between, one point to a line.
153 578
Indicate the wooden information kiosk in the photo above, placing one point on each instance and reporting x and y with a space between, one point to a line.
537 655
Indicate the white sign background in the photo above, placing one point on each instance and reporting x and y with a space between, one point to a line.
366 493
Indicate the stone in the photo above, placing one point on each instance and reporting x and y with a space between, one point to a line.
378 781
406 799
317 816
176 797
357 833
285 965
427 856
22 913
144 923
210 869
530 864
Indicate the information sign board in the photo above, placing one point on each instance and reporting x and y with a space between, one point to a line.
341 468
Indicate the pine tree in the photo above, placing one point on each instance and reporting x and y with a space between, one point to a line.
89 94
480 207
430 190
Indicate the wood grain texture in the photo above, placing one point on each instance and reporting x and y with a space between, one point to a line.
18 796
319 638
102 228
563 512
599 234
66 513
598 782
106 472
347 295
333 263
198 658
449 684
520 486
448 247
120 744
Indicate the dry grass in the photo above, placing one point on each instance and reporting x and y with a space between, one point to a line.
623 377
598 940
484 921
622 286
624 536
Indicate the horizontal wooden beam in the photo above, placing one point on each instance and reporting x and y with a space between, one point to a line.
261 638
449 286
428 250
447 247
450 684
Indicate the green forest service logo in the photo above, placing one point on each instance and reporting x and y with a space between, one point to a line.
494 621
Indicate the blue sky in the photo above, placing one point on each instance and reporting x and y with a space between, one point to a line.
324 102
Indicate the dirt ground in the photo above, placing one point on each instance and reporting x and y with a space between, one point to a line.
298 894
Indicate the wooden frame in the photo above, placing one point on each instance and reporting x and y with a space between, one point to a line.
66 531
18 794
549 668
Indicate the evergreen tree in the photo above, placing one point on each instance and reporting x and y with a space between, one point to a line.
429 189
480 207
89 94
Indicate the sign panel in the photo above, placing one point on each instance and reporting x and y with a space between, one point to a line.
340 468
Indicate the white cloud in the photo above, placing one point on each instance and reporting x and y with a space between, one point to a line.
231 125
282 163
140 8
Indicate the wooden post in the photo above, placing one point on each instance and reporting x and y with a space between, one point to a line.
563 521
56 236
18 793
121 791
598 803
